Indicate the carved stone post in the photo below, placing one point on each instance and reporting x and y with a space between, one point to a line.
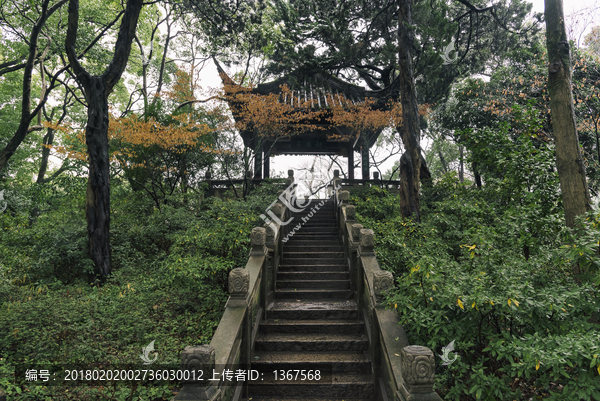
350 213
344 196
194 360
290 179
366 242
356 233
258 239
418 372
239 282
337 181
270 240
383 281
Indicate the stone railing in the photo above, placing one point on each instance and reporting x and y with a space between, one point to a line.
251 289
376 181
402 372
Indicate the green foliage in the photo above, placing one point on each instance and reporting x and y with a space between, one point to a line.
168 284
493 270
522 324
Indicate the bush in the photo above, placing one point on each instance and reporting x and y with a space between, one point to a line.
170 269
522 324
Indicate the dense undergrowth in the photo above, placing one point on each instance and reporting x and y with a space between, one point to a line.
496 277
169 285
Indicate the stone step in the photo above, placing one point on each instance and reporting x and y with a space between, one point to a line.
312 326
315 261
312 254
326 362
316 228
313 284
340 267
312 294
313 236
314 342
314 248
255 398
309 240
340 385
315 310
319 275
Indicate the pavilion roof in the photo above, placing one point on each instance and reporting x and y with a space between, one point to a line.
315 90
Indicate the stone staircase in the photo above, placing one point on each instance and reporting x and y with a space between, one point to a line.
313 323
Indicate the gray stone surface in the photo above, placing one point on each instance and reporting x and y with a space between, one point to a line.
383 281
366 239
418 369
239 281
350 212
201 357
356 231
344 196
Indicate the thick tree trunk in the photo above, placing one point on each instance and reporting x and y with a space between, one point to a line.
410 130
408 206
96 90
97 202
569 162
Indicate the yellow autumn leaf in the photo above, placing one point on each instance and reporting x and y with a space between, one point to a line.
395 306
492 302
515 301
537 365
509 301
473 305
459 302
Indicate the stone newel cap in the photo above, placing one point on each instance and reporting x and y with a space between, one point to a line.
239 281
350 212
367 238
356 230
258 237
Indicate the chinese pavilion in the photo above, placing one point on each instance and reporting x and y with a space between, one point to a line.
310 91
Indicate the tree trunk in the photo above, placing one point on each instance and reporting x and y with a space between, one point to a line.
96 90
477 176
97 202
26 115
461 169
48 140
408 206
569 163
410 110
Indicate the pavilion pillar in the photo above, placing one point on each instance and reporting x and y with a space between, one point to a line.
266 163
350 163
258 163
365 162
